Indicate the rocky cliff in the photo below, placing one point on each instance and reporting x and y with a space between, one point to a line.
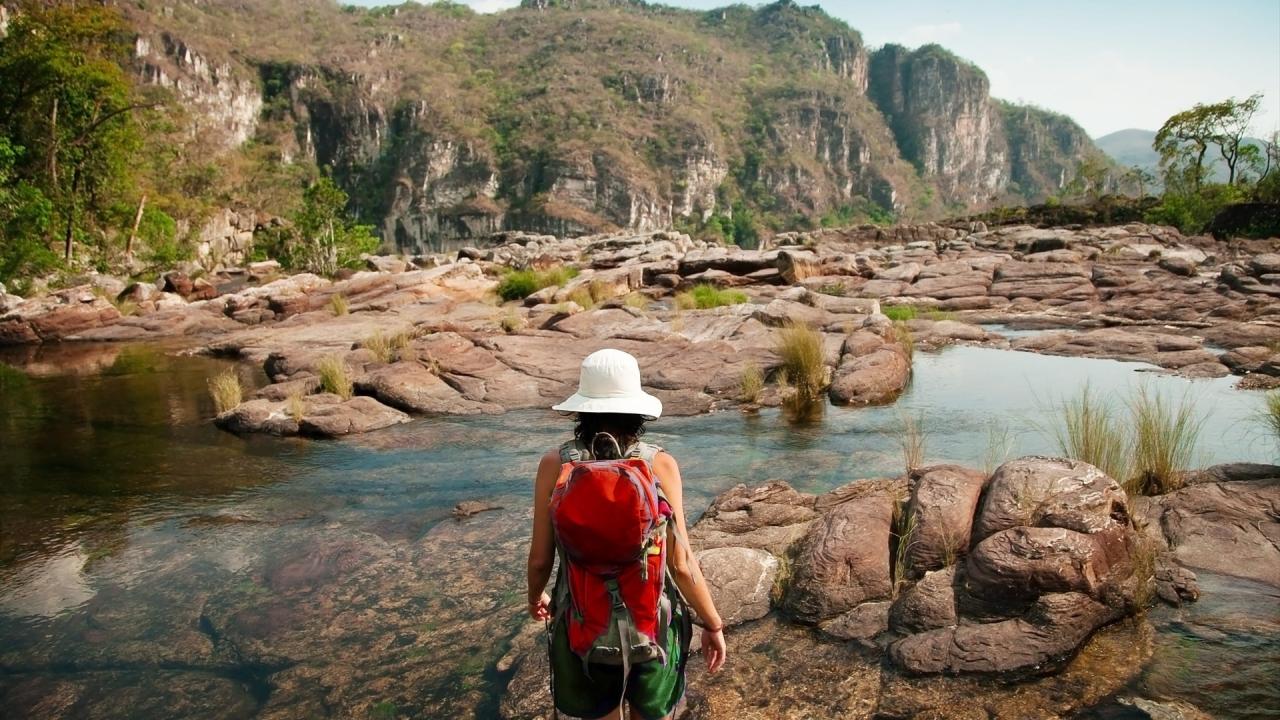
594 115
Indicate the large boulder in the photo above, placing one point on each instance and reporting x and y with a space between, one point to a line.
929 604
772 517
940 513
1038 642
873 378
843 560
740 580
1025 562
1050 491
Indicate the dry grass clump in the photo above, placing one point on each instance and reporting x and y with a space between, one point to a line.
385 347
334 377
583 297
636 301
294 406
1146 452
1087 429
903 537
510 322
225 390
803 361
1270 415
902 335
339 305
999 446
751 384
1165 436
911 440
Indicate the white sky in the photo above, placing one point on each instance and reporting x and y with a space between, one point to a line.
1110 65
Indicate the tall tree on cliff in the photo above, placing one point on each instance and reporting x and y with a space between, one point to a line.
67 105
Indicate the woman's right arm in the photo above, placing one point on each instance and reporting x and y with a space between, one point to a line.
684 568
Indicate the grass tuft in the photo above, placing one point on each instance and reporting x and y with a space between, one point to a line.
705 296
294 406
1087 429
1270 414
339 305
510 322
334 377
225 390
907 341
1000 444
803 362
518 284
904 313
1165 436
911 440
751 384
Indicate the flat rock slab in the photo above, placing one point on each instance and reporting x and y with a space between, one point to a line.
1230 528
321 415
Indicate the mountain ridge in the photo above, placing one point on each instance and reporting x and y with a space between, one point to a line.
571 117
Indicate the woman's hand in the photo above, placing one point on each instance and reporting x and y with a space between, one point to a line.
540 609
713 649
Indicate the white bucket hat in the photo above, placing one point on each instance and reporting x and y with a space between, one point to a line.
610 383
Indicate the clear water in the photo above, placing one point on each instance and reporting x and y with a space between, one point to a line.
149 561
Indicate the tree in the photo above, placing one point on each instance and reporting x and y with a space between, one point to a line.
1186 138
66 100
327 240
1140 177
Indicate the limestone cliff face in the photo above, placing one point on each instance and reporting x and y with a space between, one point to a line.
445 125
970 146
224 104
940 110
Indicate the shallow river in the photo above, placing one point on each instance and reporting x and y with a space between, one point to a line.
153 566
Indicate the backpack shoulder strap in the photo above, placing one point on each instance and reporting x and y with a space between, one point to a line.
644 451
573 451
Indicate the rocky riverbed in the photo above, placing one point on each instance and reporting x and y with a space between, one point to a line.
1189 305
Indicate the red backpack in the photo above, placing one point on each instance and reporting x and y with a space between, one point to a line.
610 521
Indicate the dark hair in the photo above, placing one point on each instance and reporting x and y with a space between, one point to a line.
627 429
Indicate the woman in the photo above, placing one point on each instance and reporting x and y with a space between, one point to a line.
611 410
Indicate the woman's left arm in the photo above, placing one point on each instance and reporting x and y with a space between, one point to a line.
542 548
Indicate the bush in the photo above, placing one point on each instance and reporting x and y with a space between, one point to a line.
225 390
334 377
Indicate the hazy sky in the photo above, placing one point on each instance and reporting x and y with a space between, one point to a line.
1110 65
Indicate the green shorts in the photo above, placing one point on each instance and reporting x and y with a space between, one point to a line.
653 689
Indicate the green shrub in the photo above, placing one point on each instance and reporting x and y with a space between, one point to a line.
899 313
705 296
519 284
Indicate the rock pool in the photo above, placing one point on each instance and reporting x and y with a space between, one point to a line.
153 566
